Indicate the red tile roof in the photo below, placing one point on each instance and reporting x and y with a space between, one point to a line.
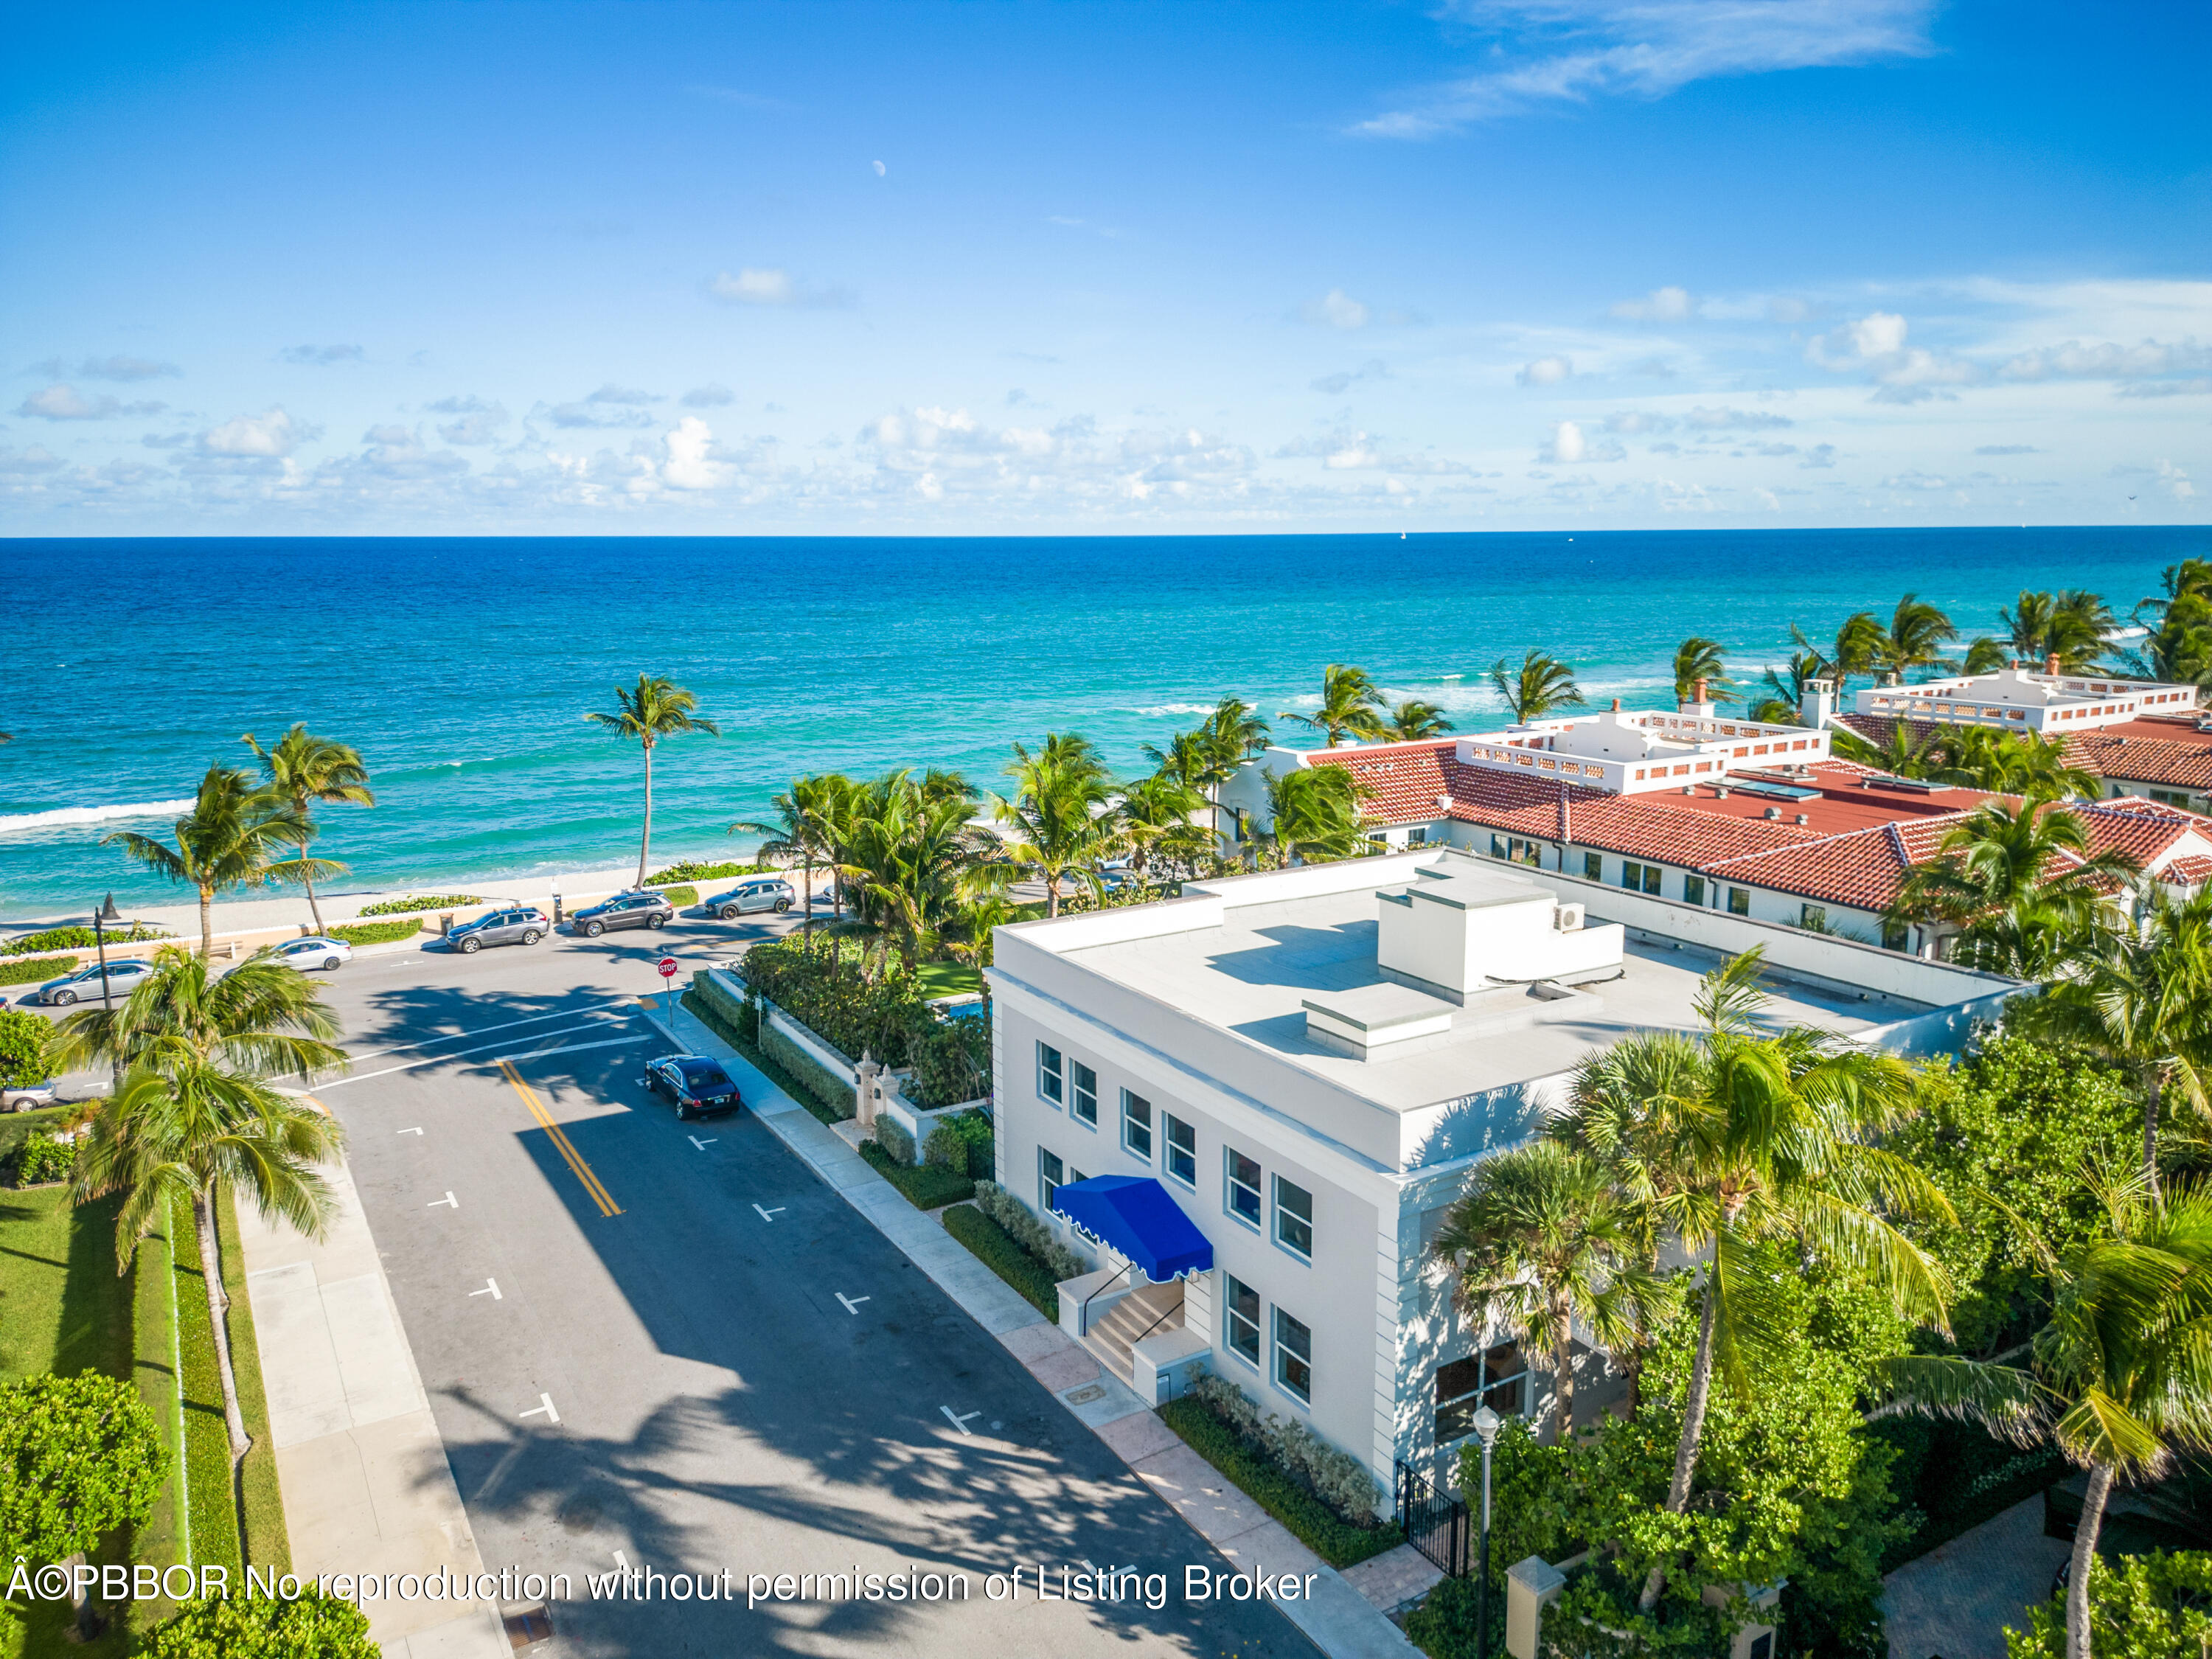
2191 870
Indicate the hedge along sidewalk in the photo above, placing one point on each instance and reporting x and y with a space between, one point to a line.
367 1486
1339 1620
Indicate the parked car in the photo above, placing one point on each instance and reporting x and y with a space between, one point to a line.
29 1097
636 909
758 893
520 924
314 951
83 986
699 1087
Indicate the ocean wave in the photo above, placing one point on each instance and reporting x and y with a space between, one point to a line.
61 816
1154 711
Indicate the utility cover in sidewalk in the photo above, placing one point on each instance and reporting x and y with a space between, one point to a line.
528 1628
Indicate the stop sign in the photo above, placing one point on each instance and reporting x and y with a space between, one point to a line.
668 966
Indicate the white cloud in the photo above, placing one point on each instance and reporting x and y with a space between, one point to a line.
768 285
320 356
479 422
1633 423
612 393
2148 360
1569 446
1724 419
107 368
713 395
879 167
1544 371
1661 305
691 464
601 414
1336 309
270 435
1558 52
66 402
1344 379
1820 455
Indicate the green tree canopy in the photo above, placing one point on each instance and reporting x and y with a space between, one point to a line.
312 1626
1541 685
79 1457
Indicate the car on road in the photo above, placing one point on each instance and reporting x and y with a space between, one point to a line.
697 1086
760 893
520 924
316 950
83 986
633 909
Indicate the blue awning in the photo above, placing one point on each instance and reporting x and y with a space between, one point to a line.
1134 1215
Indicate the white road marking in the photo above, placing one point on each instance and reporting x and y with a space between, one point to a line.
545 1410
504 1025
448 1200
702 1145
411 1132
459 1054
492 1290
852 1303
769 1215
960 1421
575 1048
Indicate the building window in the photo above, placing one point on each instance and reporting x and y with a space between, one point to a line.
1241 1318
1049 1086
2169 797
1896 936
1739 901
1812 917
1639 877
1084 1103
1417 837
1293 1357
1294 1219
1050 1174
1593 866
1243 1185
1693 890
1182 1151
1137 1125
1497 846
1498 1377
1525 852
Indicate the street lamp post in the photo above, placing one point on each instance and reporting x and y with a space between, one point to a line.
1487 1425
106 913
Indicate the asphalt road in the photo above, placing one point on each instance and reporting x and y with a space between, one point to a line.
746 1376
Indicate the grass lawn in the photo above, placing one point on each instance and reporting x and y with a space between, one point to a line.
946 979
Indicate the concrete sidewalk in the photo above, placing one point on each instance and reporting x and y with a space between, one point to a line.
366 1483
1339 1620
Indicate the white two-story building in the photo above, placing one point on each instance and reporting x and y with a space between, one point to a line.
1251 1106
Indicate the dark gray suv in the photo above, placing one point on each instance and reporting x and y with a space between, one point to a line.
625 910
523 925
757 893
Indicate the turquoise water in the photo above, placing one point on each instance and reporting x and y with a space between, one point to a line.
461 668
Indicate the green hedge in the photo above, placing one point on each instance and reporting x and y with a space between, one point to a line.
77 938
1311 1522
377 932
691 870
707 1007
926 1186
997 1250
153 1367
26 970
824 984
400 906
266 1627
820 1090
962 1143
680 895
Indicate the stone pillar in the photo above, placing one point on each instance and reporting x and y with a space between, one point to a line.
864 1092
1532 1585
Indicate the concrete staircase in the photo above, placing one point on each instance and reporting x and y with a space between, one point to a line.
1116 1332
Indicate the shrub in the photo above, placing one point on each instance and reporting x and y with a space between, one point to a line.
2139 1605
26 970
997 1249
691 870
962 1142
377 932
69 938
1337 1541
23 1047
680 895
894 1139
1337 1478
825 987
311 1626
1031 1234
922 1185
400 906
79 1457
815 1084
41 1158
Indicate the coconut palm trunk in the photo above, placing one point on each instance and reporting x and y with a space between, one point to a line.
645 842
218 1303
1694 1428
2085 1553
207 924
1563 1368
2154 1091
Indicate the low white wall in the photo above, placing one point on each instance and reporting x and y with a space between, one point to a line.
823 1055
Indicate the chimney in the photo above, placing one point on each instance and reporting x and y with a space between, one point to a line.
1616 705
2051 664
1697 706
1818 705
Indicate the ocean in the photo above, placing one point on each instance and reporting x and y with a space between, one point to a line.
461 668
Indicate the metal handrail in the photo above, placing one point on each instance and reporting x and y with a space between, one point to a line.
1082 1314
1154 1326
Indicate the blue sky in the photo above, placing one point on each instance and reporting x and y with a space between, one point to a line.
949 268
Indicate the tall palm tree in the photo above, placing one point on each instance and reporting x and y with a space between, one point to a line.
2027 624
1413 719
304 769
1737 1141
914 857
1857 649
1541 1239
2004 862
2179 648
2141 995
1698 659
195 1111
1060 812
2119 1378
1786 687
654 708
2012 764
1915 637
1983 656
803 830
2070 625
230 839
1157 814
1314 814
1540 685
1349 700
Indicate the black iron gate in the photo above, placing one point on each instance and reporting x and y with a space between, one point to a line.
1436 1523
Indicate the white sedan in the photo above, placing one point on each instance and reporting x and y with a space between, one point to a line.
315 951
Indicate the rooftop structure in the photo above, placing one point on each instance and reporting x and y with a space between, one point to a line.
2049 703
1636 753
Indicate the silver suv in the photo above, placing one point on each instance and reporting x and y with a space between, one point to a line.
525 924
758 893
625 910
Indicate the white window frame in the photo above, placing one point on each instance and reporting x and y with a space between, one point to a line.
1285 1356
1230 1186
1050 1084
1048 1184
1170 1152
1082 1099
1232 1320
1302 1253
1148 1129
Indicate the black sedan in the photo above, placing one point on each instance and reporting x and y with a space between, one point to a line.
698 1087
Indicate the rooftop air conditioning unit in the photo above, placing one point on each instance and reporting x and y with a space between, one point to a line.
1567 919
1774 811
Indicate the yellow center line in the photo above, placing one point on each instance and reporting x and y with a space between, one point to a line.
567 1149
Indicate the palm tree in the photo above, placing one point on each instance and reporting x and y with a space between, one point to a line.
1915 637
2119 1377
194 1111
1899 754
1786 688
1541 684
2003 864
2011 763
1060 812
914 857
228 840
304 769
1539 1240
1983 656
1737 1141
1348 701
2141 995
1698 660
802 830
654 709
1314 814
1156 813
1413 719
2179 649
2069 625
1859 644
